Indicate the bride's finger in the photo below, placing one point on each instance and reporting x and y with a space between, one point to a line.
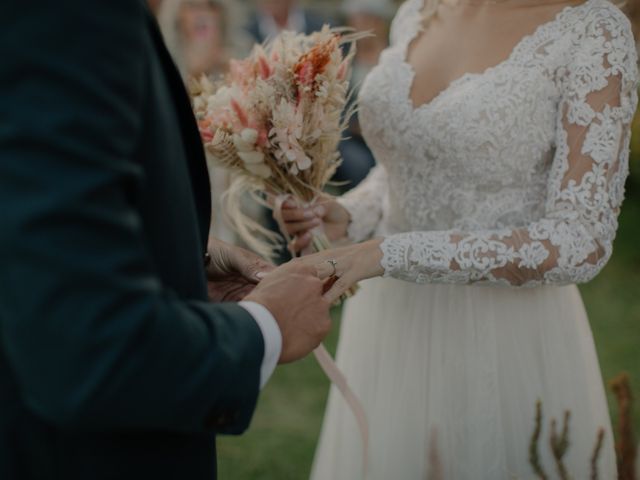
325 270
297 215
301 242
328 268
271 198
290 203
328 284
296 228
338 289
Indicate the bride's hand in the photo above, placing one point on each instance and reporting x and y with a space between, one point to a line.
353 263
300 221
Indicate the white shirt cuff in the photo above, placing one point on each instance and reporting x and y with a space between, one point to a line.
271 335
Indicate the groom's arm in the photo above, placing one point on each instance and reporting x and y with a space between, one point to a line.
94 338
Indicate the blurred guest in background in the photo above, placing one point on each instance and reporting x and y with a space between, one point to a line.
364 16
273 16
201 36
369 16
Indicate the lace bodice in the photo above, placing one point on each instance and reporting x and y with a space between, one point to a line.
514 175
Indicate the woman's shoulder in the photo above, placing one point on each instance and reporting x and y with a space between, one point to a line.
407 17
601 46
601 18
598 30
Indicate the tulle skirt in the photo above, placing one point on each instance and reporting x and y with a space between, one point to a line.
450 375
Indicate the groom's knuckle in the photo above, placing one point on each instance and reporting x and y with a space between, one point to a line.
305 282
307 270
299 279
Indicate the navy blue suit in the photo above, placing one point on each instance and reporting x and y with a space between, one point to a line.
113 365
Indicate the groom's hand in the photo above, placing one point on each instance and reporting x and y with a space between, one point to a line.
233 272
293 295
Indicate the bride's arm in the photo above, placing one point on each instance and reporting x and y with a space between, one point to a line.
573 241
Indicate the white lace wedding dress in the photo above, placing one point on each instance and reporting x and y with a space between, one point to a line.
508 179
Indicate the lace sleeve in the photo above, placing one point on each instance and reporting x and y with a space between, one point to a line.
573 240
364 204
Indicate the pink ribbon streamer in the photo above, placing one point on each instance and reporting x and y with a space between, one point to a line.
326 362
332 371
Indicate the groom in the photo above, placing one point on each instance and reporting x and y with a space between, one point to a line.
113 363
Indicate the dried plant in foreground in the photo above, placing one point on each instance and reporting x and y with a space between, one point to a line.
626 445
560 445
534 451
596 454
434 468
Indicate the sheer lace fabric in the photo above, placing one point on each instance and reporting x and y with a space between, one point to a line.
514 175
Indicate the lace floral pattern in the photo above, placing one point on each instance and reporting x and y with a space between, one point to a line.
512 176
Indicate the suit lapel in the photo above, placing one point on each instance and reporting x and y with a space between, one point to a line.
191 140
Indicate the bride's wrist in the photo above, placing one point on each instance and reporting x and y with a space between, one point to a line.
345 218
372 257
337 220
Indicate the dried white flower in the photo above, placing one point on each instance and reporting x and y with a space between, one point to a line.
251 158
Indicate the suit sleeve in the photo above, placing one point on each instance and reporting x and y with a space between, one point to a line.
94 338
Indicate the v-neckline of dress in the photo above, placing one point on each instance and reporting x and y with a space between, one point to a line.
515 51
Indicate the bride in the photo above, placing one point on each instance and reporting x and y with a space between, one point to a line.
501 128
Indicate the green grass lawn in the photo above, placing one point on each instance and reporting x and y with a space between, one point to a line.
283 435
613 304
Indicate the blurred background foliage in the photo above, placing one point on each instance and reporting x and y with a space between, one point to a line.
634 181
